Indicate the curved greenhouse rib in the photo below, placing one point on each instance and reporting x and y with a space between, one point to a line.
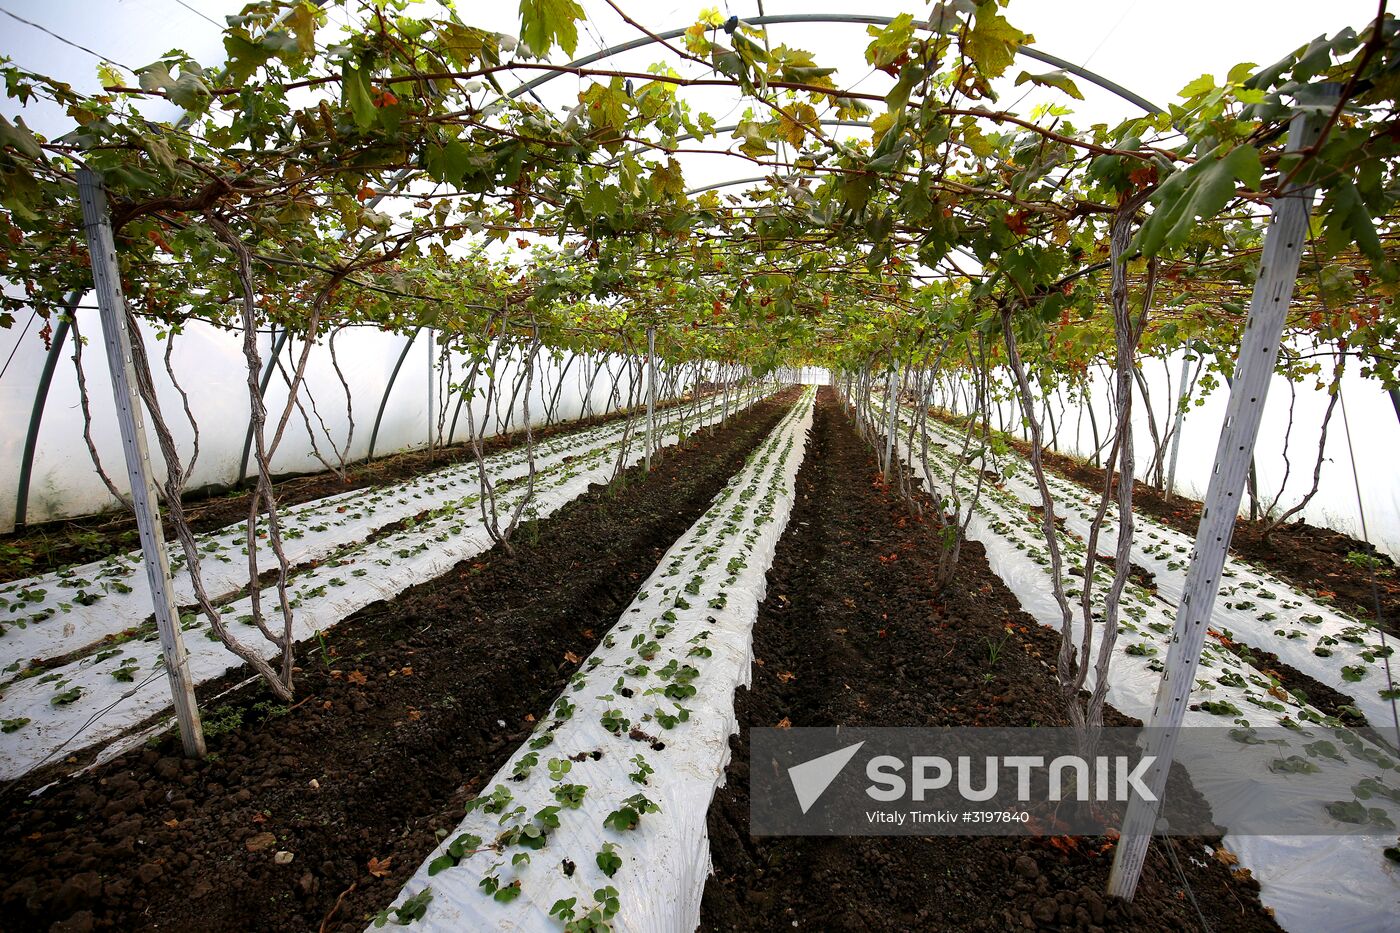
383 402
36 416
70 610
41 392
529 87
273 357
859 19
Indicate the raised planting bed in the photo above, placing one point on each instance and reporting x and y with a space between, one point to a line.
852 633
599 818
404 714
57 545
1229 692
1342 652
55 614
1333 567
381 543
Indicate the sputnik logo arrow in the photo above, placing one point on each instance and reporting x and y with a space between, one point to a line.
811 778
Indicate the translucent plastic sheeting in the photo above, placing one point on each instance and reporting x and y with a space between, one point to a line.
209 363
1255 608
100 696
1360 891
1375 436
55 614
690 626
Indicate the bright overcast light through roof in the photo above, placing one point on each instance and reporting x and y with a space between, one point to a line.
1130 43
1135 43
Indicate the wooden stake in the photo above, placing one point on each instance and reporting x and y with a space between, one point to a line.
651 393
1177 419
1278 273
106 280
892 401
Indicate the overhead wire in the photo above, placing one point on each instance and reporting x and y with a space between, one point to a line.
8 360
201 14
64 40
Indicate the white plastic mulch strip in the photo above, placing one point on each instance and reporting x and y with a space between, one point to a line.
58 613
93 699
1254 607
601 814
1340 883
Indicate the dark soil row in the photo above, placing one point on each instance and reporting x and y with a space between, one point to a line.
1328 700
52 545
413 705
853 633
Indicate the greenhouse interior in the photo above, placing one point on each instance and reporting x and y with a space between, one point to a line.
583 465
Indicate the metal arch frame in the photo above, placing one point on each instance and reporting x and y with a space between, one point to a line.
383 402
835 122
263 383
857 19
745 181
36 414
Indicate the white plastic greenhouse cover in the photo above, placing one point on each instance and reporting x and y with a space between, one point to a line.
1374 436
209 364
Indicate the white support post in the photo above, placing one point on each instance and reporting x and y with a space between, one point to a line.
651 393
432 410
724 378
107 284
892 406
1179 417
1278 273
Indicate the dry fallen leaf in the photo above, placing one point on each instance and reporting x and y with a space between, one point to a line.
357 677
786 676
529 717
379 867
406 671
414 715
171 823
571 657
784 723
1225 857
